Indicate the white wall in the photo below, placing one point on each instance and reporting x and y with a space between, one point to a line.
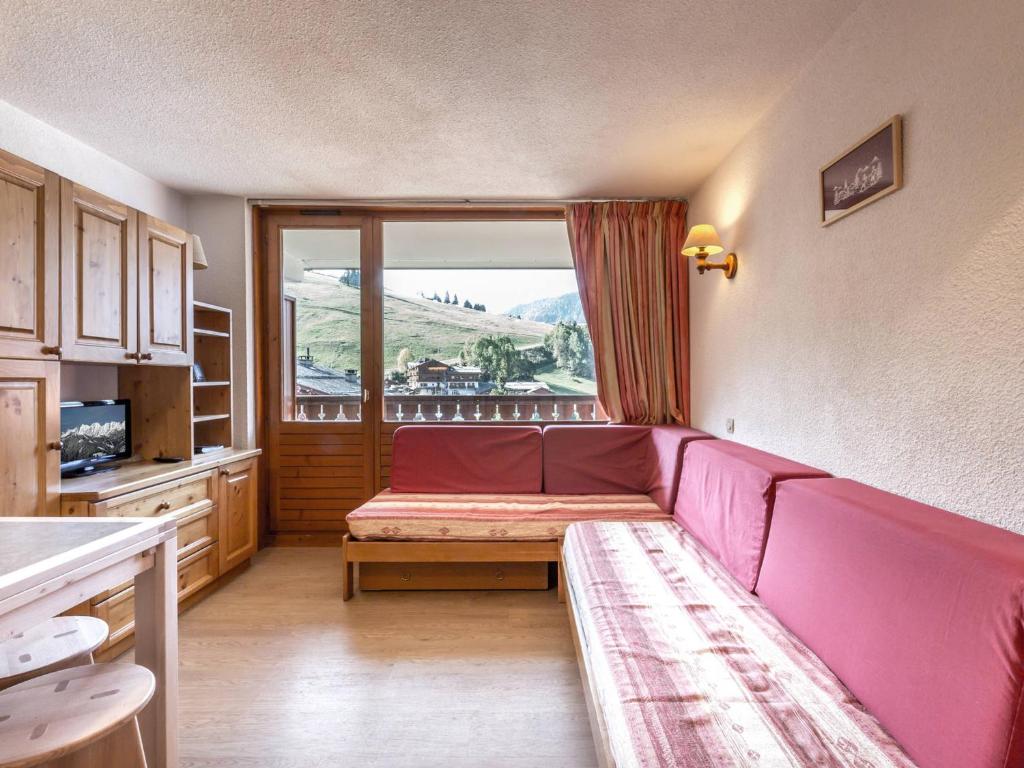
41 143
225 226
889 346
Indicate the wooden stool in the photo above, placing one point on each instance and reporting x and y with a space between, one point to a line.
83 717
65 641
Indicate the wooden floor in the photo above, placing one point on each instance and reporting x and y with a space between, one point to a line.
278 672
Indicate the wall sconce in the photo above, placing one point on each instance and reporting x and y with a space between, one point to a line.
703 241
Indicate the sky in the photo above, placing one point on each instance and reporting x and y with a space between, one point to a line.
497 289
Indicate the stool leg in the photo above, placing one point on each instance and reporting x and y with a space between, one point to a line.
120 749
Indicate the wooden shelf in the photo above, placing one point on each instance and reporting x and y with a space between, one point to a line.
211 383
211 334
210 417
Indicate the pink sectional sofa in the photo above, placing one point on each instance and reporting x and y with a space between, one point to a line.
506 493
787 618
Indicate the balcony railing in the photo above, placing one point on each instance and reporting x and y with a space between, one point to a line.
441 408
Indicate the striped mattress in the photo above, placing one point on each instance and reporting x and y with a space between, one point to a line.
692 671
484 517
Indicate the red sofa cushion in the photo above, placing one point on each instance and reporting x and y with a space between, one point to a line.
616 458
917 610
484 459
726 493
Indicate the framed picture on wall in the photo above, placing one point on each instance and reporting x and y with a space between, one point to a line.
867 171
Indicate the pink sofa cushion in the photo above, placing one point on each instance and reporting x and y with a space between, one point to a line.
485 459
917 610
616 458
726 493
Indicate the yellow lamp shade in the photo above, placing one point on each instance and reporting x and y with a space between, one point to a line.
702 239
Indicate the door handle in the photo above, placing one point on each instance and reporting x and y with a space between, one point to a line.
146 356
133 356
51 351
366 395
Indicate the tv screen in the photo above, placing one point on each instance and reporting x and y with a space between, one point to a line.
94 432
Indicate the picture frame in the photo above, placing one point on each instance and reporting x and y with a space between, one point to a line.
867 171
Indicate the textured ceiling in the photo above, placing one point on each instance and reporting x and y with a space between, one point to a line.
441 99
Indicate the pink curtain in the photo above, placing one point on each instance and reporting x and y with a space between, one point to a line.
633 285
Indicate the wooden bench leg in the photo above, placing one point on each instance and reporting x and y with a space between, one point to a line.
561 571
347 571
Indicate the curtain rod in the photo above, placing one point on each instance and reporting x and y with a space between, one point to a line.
413 203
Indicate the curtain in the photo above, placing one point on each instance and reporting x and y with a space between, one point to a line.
633 286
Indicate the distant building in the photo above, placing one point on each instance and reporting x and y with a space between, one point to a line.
527 388
313 379
433 377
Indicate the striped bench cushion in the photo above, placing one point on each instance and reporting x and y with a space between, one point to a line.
487 517
692 671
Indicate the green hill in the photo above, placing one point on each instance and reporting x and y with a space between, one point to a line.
328 324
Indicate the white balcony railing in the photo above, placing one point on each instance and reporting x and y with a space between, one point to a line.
450 408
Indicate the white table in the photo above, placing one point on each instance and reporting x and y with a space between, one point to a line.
51 564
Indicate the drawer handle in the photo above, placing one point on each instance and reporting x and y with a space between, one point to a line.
51 351
56 445
146 356
164 505
499 575
224 472
406 576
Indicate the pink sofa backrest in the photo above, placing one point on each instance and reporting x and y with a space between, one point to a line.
616 458
484 459
918 611
726 495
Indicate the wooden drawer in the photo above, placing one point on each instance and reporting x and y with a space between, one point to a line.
189 492
194 573
453 576
196 530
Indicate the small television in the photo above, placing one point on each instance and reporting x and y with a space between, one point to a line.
93 435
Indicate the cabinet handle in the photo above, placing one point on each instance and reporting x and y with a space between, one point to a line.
56 445
164 505
146 356
132 355
51 351
224 472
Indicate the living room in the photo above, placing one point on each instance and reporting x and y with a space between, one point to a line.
486 384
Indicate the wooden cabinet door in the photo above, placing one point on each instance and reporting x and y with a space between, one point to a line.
236 501
29 260
30 429
99 286
165 293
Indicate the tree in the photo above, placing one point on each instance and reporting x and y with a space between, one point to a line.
404 356
436 297
455 299
479 307
447 298
499 360
467 305
349 277
569 345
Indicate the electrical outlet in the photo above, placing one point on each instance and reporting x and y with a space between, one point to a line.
730 425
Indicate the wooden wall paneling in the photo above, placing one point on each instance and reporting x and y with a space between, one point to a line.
99 286
29 448
161 409
165 293
29 260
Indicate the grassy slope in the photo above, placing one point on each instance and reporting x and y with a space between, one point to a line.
329 324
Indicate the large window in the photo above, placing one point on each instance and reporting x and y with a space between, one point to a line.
482 322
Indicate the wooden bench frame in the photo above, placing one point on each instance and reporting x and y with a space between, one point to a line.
598 723
355 551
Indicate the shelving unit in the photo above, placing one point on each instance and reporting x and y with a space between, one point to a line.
211 399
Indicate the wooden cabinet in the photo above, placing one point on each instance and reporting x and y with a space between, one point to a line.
99 277
236 499
214 503
29 435
29 259
165 293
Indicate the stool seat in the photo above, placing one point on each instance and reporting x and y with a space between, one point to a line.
53 715
56 643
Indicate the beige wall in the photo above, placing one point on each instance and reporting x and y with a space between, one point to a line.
41 143
888 347
224 224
